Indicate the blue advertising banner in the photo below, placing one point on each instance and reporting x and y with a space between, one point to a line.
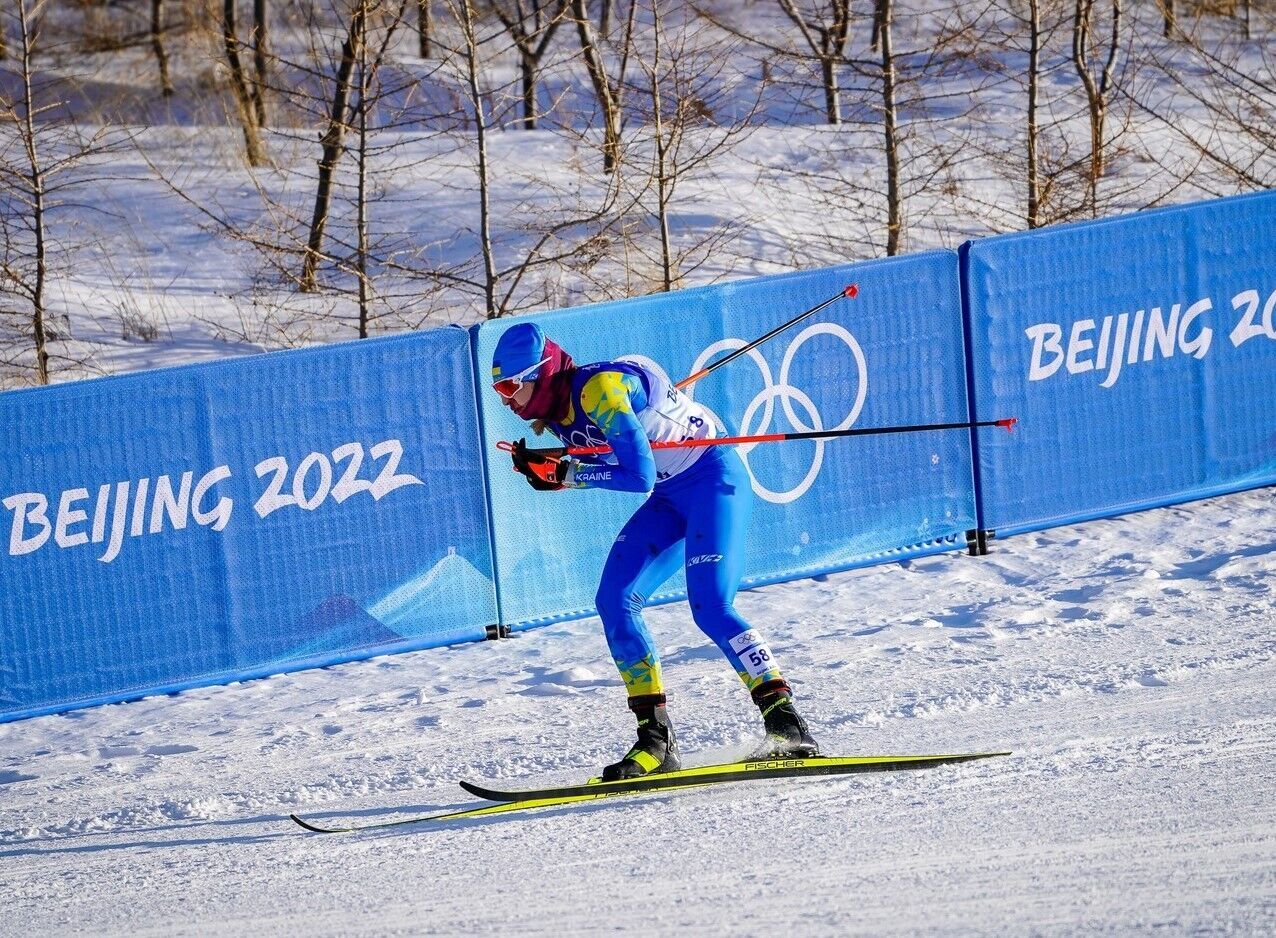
214 522
1139 354
893 355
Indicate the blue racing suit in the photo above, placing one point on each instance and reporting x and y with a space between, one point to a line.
697 513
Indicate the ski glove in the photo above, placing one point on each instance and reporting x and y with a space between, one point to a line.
547 470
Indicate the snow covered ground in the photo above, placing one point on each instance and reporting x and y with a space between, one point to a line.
1127 663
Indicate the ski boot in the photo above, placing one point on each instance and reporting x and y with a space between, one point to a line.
787 735
656 749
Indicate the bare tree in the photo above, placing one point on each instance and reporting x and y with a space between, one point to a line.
42 162
32 189
1097 89
1217 98
261 59
606 88
1040 163
465 17
380 259
1032 132
239 84
331 141
546 232
361 201
424 27
686 89
532 27
371 270
665 175
387 265
894 223
907 144
825 30
157 45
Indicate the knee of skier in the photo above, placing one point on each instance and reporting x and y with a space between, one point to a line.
716 617
616 605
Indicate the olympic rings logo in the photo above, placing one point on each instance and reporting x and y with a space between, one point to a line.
788 395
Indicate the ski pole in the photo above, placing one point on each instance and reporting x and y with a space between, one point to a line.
850 291
1006 423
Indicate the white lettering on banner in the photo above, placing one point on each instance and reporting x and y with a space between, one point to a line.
68 516
139 508
349 483
273 499
219 515
120 510
99 513
1198 347
387 480
28 508
166 503
1126 339
117 523
1247 328
1045 338
1077 345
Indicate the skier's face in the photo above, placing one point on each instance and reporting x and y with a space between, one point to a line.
517 390
521 396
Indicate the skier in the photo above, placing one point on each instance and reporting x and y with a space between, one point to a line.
698 495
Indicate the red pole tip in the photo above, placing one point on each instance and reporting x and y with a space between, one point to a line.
852 290
1008 423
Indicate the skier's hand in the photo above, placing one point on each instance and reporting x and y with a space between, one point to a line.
546 470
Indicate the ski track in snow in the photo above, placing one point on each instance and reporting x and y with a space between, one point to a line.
1127 663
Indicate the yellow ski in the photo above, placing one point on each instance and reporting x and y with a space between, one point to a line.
505 807
529 799
734 772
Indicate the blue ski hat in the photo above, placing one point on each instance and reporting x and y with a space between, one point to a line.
518 351
519 348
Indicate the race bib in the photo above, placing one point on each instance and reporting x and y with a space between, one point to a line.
754 654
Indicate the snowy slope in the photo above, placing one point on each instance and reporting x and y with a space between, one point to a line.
1128 663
